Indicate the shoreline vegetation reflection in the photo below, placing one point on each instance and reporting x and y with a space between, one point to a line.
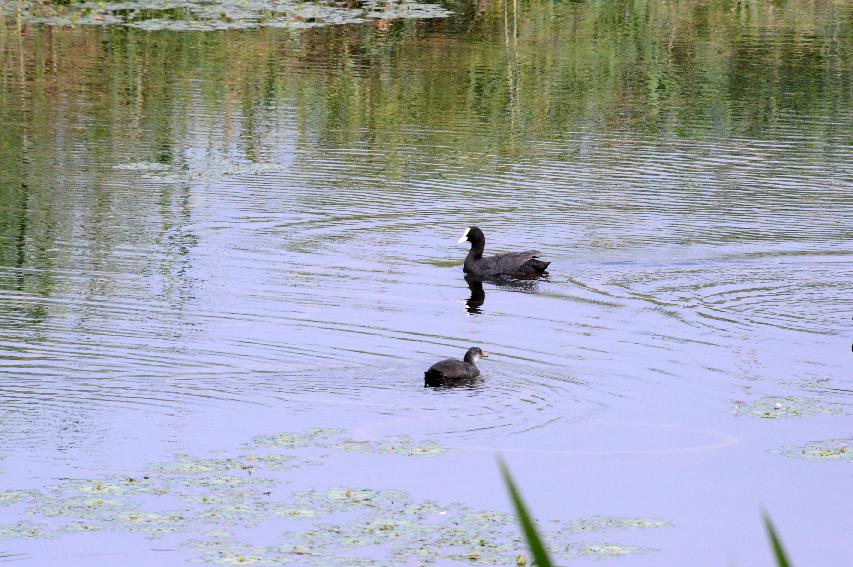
196 15
654 68
218 218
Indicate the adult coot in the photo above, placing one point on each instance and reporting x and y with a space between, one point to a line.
519 264
452 372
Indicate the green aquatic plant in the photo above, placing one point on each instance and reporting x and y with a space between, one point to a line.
401 445
288 440
602 551
773 407
24 529
778 551
539 551
333 439
218 501
356 520
829 450
535 543
601 523
9 497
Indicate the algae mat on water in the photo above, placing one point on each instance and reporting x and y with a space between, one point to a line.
829 450
774 407
236 510
190 15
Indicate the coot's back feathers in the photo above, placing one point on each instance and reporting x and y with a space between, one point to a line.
452 372
512 263
450 369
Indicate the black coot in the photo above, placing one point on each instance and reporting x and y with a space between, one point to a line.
518 264
452 372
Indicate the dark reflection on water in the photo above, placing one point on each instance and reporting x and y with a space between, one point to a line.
475 302
209 236
478 295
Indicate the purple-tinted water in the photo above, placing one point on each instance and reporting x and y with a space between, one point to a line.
212 237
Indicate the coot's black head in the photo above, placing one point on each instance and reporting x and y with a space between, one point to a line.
473 235
474 354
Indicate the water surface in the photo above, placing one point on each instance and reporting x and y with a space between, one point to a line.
207 237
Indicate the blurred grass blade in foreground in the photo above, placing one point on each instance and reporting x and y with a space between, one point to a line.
534 542
778 550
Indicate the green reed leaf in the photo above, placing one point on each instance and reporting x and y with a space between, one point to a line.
778 550
534 541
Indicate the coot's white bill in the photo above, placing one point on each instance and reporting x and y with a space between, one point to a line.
464 236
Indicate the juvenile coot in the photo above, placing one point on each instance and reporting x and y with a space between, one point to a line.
454 372
519 264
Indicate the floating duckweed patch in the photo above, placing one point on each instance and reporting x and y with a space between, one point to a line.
601 523
402 445
115 486
831 450
230 552
215 499
332 438
80 507
111 487
274 462
347 499
247 513
199 15
773 407
234 472
611 550
24 530
232 482
153 524
311 438
9 497
406 528
79 527
296 512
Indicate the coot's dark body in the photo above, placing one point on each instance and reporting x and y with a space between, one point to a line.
452 372
517 264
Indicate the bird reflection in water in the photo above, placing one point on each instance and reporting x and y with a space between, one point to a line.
475 302
478 295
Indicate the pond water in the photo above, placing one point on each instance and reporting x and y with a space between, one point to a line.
227 258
